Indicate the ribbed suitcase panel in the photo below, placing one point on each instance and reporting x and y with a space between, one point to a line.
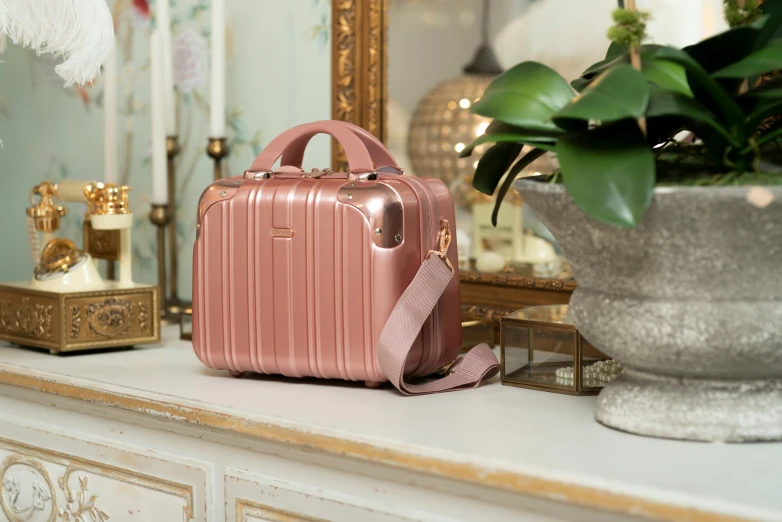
313 304
281 287
299 353
356 293
253 276
326 277
265 312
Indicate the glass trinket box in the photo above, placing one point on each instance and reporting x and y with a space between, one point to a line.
541 349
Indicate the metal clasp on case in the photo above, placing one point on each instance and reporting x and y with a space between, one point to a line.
372 176
317 173
362 176
257 174
391 170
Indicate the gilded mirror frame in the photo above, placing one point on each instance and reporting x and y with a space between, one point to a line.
359 67
359 94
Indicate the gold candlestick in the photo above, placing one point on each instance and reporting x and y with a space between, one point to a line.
173 304
159 216
217 149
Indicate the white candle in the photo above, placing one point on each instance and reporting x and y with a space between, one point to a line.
217 128
159 174
163 24
110 112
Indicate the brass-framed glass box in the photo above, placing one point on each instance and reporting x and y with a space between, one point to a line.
541 349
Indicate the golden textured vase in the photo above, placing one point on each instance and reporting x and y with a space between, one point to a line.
442 126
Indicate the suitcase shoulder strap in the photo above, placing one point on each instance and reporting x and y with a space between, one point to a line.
404 323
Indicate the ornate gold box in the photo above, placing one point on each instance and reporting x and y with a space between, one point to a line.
116 315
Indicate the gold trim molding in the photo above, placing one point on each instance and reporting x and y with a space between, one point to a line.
514 482
246 508
517 281
359 68
25 454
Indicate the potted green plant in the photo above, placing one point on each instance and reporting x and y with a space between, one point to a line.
676 245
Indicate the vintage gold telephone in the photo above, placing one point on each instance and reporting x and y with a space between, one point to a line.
67 305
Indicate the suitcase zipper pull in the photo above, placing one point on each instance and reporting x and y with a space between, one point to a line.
444 240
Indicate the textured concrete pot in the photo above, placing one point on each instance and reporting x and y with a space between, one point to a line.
690 301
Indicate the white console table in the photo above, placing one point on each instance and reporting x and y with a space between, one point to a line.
149 434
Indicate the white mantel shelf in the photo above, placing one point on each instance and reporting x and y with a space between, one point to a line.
535 443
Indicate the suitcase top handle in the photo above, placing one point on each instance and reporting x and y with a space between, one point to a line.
294 154
356 141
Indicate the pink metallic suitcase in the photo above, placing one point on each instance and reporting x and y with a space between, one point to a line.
319 274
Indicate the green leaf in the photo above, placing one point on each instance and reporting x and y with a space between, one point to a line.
610 61
760 62
770 89
771 27
724 48
493 165
769 136
767 91
535 140
619 93
727 106
663 103
516 108
719 51
614 50
497 126
772 107
610 172
502 132
603 65
517 168
666 74
526 95
579 84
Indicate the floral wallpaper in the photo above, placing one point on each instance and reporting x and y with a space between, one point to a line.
278 76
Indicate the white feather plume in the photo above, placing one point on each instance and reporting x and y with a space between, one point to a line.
81 31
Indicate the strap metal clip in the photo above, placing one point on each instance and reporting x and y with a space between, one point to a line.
444 240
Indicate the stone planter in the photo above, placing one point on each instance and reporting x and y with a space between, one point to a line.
690 301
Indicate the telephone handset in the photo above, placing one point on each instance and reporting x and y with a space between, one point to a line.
60 264
66 306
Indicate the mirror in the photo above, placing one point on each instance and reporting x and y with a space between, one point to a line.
430 92
435 73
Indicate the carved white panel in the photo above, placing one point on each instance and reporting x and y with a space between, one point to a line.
49 476
257 498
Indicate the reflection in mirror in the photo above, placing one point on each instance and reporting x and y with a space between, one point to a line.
443 54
